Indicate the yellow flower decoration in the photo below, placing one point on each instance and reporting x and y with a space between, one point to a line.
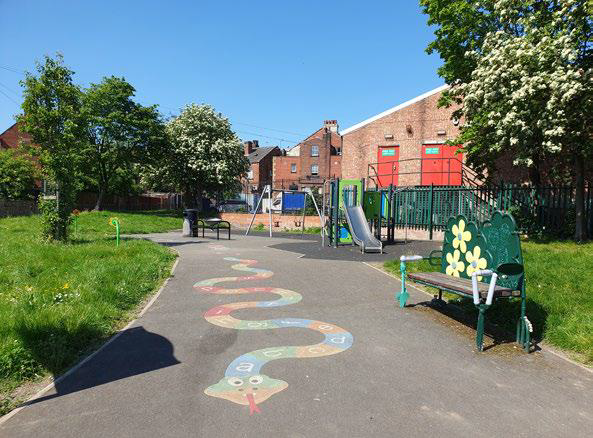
461 236
455 265
475 262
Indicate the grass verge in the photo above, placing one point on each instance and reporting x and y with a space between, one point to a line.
559 292
60 301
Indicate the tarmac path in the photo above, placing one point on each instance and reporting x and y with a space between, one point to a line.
407 372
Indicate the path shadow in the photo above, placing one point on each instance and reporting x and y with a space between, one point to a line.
135 351
312 249
171 243
501 318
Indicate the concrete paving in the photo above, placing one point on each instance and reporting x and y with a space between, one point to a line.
408 373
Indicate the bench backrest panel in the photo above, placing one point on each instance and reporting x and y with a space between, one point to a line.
469 246
504 244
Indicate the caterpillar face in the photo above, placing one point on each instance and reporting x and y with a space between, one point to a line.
247 390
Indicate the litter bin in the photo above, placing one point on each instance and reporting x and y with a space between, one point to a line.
190 217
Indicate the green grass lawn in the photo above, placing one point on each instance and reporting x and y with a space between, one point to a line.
59 301
559 290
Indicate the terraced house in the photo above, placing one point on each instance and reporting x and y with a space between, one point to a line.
310 162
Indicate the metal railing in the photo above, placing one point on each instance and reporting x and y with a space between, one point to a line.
549 209
455 170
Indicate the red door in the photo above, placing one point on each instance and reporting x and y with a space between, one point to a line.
451 166
432 164
440 165
388 165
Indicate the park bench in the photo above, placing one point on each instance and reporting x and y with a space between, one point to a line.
478 261
212 224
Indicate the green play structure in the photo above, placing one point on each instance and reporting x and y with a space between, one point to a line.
355 216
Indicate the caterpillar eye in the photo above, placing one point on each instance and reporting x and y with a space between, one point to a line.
235 381
256 380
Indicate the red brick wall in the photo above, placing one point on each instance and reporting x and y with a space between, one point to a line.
279 222
282 171
360 147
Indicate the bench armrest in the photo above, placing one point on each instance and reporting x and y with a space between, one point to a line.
412 258
475 291
510 269
433 256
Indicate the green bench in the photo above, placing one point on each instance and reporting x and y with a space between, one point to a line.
478 261
212 224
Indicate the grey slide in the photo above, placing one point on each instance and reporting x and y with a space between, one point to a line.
359 228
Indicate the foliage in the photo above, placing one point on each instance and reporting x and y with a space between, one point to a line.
52 224
460 26
559 295
52 116
17 175
526 84
204 156
57 302
308 230
122 135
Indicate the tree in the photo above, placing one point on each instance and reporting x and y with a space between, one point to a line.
530 91
204 156
52 116
461 26
121 134
17 175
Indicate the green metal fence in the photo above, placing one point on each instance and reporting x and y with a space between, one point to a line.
547 209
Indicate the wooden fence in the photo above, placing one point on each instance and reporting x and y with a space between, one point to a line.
149 201
17 207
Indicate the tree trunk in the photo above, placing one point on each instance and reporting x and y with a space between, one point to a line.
580 232
534 174
189 198
99 203
198 199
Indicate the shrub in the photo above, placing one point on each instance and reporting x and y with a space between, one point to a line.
17 175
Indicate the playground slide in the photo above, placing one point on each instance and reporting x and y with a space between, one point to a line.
360 231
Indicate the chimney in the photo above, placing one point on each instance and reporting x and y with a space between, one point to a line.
255 144
248 147
331 125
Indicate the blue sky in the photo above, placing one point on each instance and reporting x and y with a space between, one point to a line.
275 68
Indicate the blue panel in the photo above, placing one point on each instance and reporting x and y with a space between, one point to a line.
344 233
293 201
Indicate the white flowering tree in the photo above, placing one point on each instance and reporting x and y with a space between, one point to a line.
204 156
530 93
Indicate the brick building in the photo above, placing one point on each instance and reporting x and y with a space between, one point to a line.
405 146
261 166
310 162
13 137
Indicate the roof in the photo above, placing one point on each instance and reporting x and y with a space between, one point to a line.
335 141
259 153
394 109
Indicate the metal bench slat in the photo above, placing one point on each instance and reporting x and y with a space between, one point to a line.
461 285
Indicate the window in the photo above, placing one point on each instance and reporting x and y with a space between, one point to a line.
250 174
293 168
314 151
314 169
